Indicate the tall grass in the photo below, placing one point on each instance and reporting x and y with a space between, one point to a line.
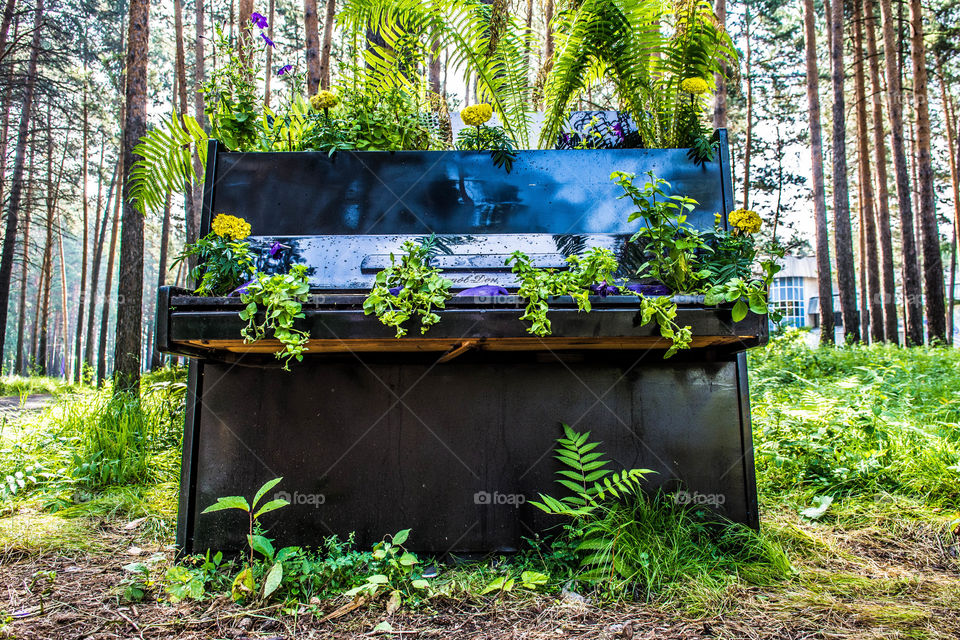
91 441
856 421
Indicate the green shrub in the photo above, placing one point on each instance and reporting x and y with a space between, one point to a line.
857 420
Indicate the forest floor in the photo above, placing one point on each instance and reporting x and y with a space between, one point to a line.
891 575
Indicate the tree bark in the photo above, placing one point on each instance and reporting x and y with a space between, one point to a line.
199 77
870 268
929 231
842 234
891 329
548 34
948 113
245 27
269 71
16 181
130 292
191 216
85 207
720 99
329 18
21 366
95 270
824 282
313 44
108 282
5 26
748 142
911 268
156 358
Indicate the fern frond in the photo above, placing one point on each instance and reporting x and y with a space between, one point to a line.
166 162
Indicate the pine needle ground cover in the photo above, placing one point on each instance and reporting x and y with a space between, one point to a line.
858 465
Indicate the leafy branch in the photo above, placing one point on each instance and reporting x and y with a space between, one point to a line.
280 297
408 288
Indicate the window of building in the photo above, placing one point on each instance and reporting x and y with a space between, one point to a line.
786 296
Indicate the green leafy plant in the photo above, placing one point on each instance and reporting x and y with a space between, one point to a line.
164 162
669 242
250 508
420 289
279 298
496 140
194 580
663 311
539 285
223 264
231 96
592 487
395 571
531 580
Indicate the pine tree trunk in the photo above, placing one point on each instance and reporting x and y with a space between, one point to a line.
312 44
199 77
85 206
748 142
156 358
888 285
108 282
20 365
95 271
191 215
842 235
130 292
720 99
824 282
245 27
548 35
16 181
869 265
948 113
269 65
5 27
911 269
329 18
929 231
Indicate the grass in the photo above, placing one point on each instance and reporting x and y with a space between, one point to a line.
28 385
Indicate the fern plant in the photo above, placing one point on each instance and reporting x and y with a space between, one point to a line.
166 162
594 488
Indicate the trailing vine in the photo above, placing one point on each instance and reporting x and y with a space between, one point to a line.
596 267
280 297
408 288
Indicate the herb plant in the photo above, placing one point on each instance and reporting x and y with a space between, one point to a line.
243 584
538 285
395 570
280 297
670 244
224 260
419 289
496 140
231 95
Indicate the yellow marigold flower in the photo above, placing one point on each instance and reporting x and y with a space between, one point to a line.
696 86
745 220
324 100
232 227
476 115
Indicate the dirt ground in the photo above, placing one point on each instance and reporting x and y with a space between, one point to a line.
867 583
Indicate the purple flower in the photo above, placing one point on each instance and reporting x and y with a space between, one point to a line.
617 129
242 289
267 40
603 289
277 249
258 20
284 69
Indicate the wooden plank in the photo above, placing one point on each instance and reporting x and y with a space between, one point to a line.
413 345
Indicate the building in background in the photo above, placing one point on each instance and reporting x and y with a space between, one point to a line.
794 293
